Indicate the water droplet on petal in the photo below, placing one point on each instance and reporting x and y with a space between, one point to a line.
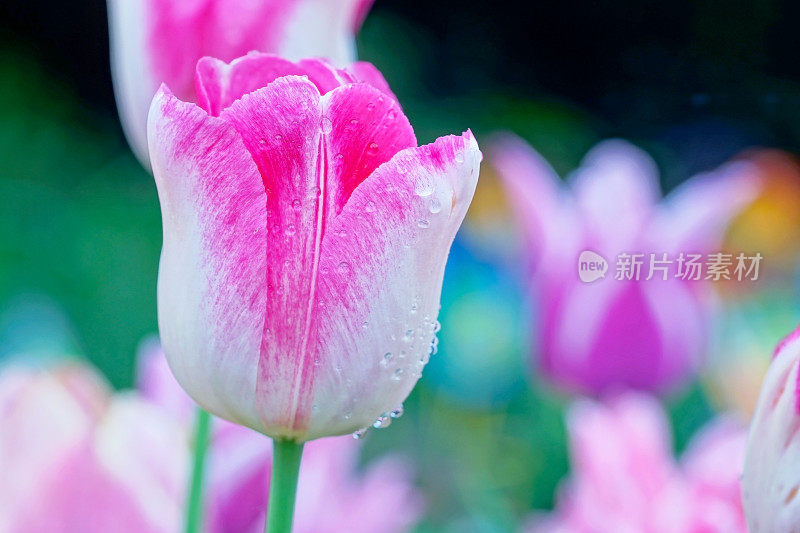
279 137
358 435
369 207
343 268
435 205
290 230
423 224
423 187
459 157
327 125
296 204
373 147
397 412
398 373
383 421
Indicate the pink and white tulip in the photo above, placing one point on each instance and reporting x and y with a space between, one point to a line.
305 239
74 458
593 337
160 41
625 479
772 469
333 494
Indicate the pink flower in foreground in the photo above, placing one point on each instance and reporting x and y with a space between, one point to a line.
645 334
624 478
160 41
305 239
771 476
74 458
331 497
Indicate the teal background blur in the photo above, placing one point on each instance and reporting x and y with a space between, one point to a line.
694 83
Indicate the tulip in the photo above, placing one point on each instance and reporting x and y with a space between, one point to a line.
771 479
305 239
625 479
644 334
155 41
74 458
332 494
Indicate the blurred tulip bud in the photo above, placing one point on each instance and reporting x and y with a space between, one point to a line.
772 469
160 41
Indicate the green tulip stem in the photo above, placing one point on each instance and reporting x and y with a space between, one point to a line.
194 506
286 455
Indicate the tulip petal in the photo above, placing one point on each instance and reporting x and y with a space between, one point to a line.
382 261
281 127
694 216
539 201
367 129
616 189
307 184
211 291
134 83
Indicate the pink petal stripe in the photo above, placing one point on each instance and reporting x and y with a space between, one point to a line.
281 127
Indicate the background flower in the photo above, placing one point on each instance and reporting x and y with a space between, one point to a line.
628 481
76 458
647 334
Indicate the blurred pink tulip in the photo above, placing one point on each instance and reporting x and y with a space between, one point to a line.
332 495
75 459
772 469
645 334
160 41
625 480
305 239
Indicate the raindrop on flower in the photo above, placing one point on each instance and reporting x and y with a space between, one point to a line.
397 374
358 435
327 125
423 224
343 268
369 207
296 205
435 205
397 412
382 422
373 147
290 229
423 187
459 158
